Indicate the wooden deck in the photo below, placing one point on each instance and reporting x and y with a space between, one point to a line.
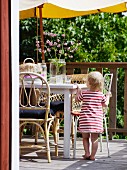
34 158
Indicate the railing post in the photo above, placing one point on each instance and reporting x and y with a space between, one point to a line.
113 102
84 71
125 100
70 71
100 70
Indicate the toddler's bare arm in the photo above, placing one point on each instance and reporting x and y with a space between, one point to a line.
77 94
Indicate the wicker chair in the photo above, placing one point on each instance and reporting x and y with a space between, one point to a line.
107 89
36 112
78 79
57 105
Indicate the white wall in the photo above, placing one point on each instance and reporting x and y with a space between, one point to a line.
15 82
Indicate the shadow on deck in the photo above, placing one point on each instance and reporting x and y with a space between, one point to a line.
34 158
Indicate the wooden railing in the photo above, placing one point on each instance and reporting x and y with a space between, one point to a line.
111 67
106 67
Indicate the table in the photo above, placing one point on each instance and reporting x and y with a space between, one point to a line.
67 90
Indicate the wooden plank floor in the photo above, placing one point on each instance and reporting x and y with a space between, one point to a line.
35 159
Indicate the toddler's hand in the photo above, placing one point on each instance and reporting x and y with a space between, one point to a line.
78 88
109 94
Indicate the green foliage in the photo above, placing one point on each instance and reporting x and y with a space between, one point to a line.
27 131
103 36
28 39
119 136
120 122
116 136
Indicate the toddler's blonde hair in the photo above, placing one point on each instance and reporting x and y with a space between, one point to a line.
95 81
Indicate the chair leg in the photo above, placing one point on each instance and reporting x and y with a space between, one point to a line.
47 142
100 142
57 124
72 131
55 136
21 132
36 134
106 131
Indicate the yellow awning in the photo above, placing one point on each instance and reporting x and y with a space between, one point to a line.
53 11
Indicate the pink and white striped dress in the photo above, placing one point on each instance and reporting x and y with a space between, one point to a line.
91 116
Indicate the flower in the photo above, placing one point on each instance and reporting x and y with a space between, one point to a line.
58 46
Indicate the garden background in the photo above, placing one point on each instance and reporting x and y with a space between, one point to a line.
94 38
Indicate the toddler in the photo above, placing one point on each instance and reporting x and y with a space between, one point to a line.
91 115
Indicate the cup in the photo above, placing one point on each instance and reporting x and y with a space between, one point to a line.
67 79
59 79
53 80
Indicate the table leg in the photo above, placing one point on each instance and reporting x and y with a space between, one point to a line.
67 123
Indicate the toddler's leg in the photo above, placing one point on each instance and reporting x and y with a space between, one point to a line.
86 145
94 140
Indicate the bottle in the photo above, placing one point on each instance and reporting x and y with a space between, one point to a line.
44 69
38 68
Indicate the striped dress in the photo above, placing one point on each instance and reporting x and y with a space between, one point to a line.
91 116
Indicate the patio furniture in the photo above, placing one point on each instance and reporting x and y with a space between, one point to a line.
67 90
107 89
57 104
36 112
76 113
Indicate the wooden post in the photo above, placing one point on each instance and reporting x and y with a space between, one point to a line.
113 102
41 32
125 100
5 75
100 70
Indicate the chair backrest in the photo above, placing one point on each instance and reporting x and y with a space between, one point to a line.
107 83
107 88
34 92
78 78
